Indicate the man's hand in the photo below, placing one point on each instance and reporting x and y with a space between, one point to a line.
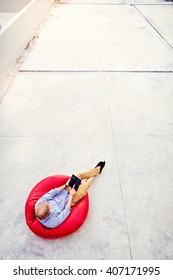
72 192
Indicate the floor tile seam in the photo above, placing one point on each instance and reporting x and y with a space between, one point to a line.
98 41
149 4
117 167
122 196
104 78
23 71
118 4
118 171
95 4
143 135
88 135
154 28
55 136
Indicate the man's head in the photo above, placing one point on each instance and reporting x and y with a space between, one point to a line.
42 211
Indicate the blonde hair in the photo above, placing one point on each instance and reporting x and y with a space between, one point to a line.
42 211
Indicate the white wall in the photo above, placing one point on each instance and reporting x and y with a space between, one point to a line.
15 37
12 5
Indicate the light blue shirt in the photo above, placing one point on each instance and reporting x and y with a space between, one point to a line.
59 210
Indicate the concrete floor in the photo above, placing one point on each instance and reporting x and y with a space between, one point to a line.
97 84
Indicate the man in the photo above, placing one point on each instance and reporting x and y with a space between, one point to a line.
55 206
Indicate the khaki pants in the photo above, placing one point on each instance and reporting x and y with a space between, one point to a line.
89 177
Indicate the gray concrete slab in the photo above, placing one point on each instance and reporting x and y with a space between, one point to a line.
140 104
156 15
145 165
67 44
108 37
123 118
27 160
128 42
56 105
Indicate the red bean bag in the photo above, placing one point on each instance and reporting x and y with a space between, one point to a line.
71 224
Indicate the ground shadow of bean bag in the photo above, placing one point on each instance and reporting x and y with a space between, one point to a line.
71 224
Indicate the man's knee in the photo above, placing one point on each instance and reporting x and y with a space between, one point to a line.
77 197
79 176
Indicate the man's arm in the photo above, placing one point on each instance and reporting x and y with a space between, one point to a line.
49 195
62 188
72 192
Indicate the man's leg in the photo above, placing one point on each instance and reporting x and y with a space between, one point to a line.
82 190
89 175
